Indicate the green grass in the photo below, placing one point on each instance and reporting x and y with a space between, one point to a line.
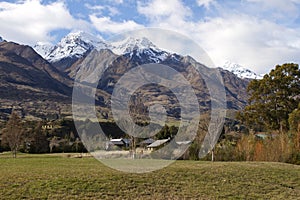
60 177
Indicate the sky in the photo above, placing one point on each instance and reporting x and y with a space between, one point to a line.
257 34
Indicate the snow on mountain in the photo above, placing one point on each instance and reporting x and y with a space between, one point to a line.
139 47
1 39
241 71
75 44
130 44
43 49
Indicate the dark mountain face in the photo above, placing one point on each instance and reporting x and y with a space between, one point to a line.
236 90
235 87
22 66
148 95
112 68
34 59
64 64
26 76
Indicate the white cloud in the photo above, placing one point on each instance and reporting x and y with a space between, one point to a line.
30 21
94 7
205 3
98 9
113 11
158 10
117 1
254 42
106 25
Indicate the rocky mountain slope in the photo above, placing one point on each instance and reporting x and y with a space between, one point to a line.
22 67
117 66
27 80
50 75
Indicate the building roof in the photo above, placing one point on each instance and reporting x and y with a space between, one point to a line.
126 141
157 143
120 141
147 141
183 142
117 141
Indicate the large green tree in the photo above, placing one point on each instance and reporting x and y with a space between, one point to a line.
273 98
294 120
38 140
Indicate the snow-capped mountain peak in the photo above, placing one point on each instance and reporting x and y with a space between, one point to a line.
141 48
81 37
75 44
130 44
240 71
43 48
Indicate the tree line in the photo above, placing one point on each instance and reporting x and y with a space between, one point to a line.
37 137
58 136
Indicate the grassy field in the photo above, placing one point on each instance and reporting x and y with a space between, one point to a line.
61 177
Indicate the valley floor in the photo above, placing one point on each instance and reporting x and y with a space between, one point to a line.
64 176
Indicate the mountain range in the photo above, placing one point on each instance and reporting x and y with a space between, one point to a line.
77 44
38 80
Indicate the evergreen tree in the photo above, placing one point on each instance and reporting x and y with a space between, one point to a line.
294 122
40 143
273 98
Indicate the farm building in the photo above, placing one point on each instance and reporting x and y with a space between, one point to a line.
119 142
157 144
146 142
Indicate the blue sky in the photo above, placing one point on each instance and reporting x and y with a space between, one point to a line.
257 34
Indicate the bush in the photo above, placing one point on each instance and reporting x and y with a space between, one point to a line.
294 158
193 152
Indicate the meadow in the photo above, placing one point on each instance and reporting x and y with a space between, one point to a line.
63 177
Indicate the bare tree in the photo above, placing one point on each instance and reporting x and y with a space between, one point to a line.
203 131
131 126
210 133
54 142
13 133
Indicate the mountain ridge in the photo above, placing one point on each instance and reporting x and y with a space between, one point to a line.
58 77
81 43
